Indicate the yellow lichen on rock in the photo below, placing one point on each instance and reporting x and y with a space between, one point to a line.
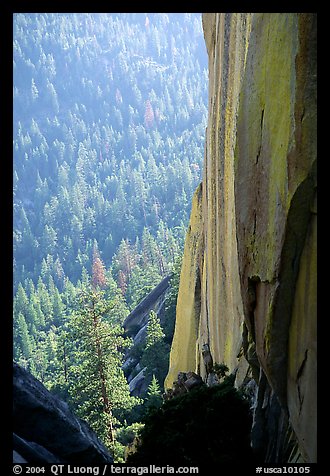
222 316
274 177
249 259
302 382
183 352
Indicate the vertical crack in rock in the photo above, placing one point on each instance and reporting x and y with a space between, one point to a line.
299 375
261 128
198 299
302 114
252 303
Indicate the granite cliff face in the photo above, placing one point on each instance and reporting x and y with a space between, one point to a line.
248 279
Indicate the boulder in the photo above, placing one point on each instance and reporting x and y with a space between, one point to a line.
138 384
45 428
31 451
153 301
193 381
17 458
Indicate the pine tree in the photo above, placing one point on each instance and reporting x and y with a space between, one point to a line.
149 115
45 302
125 259
154 330
40 359
24 339
122 282
98 387
40 317
143 280
58 308
53 97
154 395
171 300
34 90
155 355
21 301
98 270
59 382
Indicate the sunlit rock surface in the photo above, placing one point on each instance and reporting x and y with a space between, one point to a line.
248 280
183 355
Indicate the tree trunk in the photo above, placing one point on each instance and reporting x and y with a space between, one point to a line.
106 403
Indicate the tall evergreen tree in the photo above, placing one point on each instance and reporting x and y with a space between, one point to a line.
155 355
24 339
97 384
154 396
98 270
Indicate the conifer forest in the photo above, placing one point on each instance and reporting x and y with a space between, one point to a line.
110 113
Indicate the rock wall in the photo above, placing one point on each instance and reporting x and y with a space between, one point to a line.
248 280
135 326
153 301
184 350
46 431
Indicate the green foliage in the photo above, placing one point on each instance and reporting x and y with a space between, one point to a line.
155 332
24 340
126 434
97 386
206 426
154 396
155 355
105 164
171 300
98 270
142 281
74 168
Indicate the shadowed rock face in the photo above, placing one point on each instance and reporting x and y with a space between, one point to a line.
153 301
135 325
45 430
248 281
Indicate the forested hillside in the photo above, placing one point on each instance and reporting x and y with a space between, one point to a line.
109 122
109 118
